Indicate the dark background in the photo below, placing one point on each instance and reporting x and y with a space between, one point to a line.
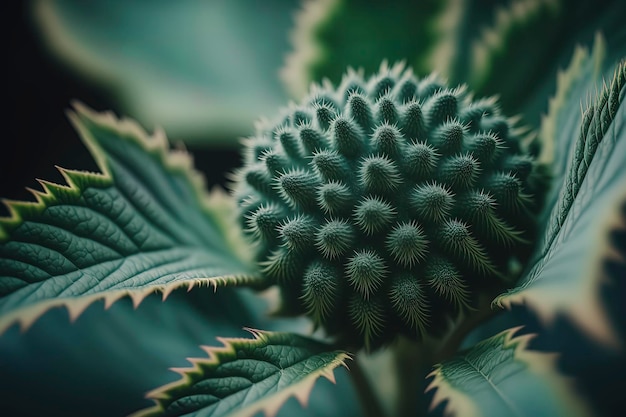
36 134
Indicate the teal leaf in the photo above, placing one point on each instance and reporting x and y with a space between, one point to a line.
143 224
246 376
500 376
117 353
332 35
547 30
458 27
123 352
202 70
584 207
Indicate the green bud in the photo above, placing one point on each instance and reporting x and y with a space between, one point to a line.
388 205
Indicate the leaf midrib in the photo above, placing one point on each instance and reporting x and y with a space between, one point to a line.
500 394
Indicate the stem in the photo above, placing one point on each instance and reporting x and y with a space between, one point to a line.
414 360
369 399
450 345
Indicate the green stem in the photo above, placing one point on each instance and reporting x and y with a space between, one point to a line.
449 346
414 360
368 398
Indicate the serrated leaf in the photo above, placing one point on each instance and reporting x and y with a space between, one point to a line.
332 35
77 369
142 225
204 70
568 265
121 353
547 30
501 377
457 28
246 376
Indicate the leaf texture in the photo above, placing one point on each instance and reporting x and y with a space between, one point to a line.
246 376
501 377
143 224
568 266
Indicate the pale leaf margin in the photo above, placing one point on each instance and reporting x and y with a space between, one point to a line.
493 40
589 312
542 364
269 405
177 161
295 73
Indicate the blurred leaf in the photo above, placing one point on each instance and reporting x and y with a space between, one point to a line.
516 56
331 35
58 369
203 70
501 377
144 224
569 264
103 363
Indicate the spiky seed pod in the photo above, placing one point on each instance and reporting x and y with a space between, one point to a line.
413 123
300 117
484 147
381 86
255 146
386 110
347 137
262 223
379 174
387 205
420 161
312 139
387 140
324 114
359 109
298 188
409 301
458 242
407 243
366 271
431 202
275 162
258 177
290 143
460 171
334 238
448 138
406 90
334 197
320 288
441 107
368 316
329 165
296 232
373 214
447 281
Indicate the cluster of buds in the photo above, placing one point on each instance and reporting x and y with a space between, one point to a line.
387 205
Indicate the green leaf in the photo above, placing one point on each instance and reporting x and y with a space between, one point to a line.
142 225
246 376
569 264
119 353
529 40
204 70
332 35
501 377
458 27
123 352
